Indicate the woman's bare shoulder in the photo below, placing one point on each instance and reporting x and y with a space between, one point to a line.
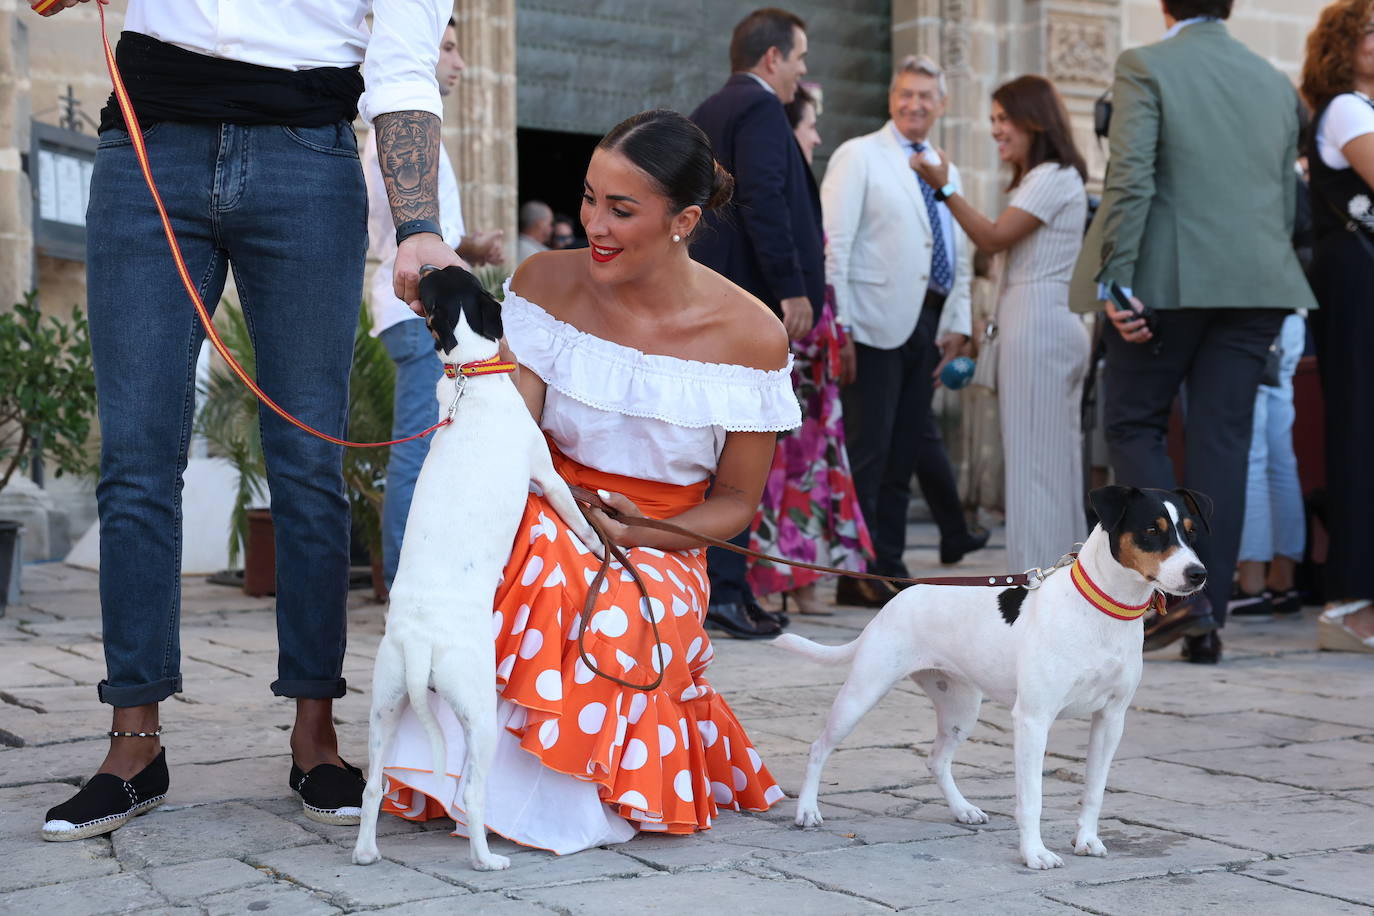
750 334
550 279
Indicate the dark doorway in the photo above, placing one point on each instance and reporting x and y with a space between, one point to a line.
552 165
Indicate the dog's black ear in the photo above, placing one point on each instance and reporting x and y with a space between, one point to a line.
432 286
489 317
1110 504
1199 504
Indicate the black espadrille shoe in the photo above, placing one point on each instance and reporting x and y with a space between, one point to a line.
106 802
330 794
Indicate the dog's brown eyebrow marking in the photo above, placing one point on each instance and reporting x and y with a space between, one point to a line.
1162 523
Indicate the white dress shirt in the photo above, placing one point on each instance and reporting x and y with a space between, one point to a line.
398 56
385 308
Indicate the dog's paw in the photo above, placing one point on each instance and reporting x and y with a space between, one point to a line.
490 862
1088 846
1042 858
809 815
970 815
363 856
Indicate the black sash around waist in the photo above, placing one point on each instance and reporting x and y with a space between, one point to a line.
168 83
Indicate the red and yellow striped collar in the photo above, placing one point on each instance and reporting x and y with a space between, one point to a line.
1104 603
491 366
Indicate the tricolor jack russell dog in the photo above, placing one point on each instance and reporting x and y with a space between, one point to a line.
469 499
1071 647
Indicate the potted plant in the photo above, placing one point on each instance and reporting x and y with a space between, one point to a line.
47 403
228 419
371 406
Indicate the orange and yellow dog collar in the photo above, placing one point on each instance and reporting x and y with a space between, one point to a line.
492 366
1104 602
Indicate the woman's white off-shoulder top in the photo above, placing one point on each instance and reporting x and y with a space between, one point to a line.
618 410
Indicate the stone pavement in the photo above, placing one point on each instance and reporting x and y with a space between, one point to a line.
1242 788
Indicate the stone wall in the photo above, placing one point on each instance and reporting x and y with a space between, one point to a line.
585 67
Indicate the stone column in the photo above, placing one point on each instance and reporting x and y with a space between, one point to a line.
479 117
16 210
1082 41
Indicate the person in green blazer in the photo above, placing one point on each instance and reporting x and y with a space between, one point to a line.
1195 224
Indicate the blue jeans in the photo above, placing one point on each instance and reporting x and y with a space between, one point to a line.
418 370
1275 521
286 209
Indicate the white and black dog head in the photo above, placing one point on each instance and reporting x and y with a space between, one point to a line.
1151 533
463 317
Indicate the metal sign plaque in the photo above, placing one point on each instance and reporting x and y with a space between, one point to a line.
60 163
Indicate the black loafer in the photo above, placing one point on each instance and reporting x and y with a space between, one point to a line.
106 802
955 549
330 794
864 592
1202 650
742 621
1192 616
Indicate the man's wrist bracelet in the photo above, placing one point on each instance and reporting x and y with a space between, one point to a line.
946 192
415 227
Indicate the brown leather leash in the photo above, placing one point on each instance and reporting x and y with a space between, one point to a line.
613 552
1028 579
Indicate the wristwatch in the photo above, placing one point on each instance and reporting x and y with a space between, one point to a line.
944 194
415 227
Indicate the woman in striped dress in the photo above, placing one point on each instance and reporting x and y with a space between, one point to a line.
1043 348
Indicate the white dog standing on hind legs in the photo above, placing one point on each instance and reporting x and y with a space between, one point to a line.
1071 647
469 499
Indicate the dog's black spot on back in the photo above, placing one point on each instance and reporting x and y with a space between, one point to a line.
1009 601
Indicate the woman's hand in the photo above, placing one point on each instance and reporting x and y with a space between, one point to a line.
617 532
937 176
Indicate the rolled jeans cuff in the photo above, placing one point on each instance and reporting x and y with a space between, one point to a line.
310 690
138 694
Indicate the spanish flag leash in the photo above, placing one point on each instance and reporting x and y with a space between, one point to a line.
136 136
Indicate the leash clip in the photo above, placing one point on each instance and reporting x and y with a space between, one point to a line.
1036 577
460 384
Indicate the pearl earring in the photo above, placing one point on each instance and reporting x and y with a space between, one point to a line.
676 237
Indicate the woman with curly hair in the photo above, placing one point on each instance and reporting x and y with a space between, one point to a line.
1338 82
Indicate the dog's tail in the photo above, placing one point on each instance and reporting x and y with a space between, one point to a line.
418 661
826 655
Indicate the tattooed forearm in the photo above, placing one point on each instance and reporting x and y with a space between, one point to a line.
408 151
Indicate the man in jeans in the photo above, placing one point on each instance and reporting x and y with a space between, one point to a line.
251 143
403 332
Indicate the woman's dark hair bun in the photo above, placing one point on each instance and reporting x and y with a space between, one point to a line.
676 155
722 188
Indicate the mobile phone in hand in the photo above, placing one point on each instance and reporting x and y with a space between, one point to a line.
1123 302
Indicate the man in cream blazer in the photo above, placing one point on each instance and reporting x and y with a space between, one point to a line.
901 269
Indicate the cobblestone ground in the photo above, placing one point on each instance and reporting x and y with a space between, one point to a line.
1242 788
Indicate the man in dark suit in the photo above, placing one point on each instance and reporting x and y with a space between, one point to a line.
1196 223
769 240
